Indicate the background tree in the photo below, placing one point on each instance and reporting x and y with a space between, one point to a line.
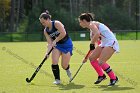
22 15
4 14
12 16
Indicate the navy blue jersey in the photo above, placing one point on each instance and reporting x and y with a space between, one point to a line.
54 33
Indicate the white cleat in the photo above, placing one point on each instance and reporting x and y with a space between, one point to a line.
69 74
57 82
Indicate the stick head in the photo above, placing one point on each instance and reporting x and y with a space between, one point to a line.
27 79
70 80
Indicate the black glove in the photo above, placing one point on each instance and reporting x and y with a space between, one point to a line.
92 46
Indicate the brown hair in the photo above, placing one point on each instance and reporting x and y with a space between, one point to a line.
45 15
87 16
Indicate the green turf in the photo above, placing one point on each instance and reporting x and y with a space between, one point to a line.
18 60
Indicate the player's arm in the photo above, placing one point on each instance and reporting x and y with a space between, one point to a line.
95 37
49 40
96 32
60 27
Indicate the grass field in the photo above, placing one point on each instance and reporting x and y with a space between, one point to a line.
18 61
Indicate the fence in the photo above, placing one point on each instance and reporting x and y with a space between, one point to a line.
75 35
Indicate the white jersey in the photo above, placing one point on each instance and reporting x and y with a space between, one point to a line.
107 36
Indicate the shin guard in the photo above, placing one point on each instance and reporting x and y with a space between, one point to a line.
56 72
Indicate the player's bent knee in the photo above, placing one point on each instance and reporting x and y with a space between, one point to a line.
65 66
91 59
101 62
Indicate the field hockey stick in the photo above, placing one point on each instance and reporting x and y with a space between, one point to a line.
38 68
81 65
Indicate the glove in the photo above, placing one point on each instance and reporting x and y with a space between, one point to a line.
92 46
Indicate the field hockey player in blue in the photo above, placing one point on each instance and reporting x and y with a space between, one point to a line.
58 38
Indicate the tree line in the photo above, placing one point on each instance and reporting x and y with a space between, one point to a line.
22 15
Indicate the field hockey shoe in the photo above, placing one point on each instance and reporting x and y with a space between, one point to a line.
100 79
69 74
57 82
113 81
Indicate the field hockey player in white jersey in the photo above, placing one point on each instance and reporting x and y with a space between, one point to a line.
102 53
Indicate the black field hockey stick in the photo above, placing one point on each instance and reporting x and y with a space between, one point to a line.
80 66
38 68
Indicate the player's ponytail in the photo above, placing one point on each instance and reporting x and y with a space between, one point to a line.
86 16
91 16
47 12
45 15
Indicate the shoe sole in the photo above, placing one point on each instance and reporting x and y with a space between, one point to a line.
115 83
101 81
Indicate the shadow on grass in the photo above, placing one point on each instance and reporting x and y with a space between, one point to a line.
39 85
62 86
114 88
70 86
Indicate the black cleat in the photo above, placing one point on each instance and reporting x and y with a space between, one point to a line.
100 78
113 81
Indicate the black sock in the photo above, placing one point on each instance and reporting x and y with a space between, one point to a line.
56 72
67 67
